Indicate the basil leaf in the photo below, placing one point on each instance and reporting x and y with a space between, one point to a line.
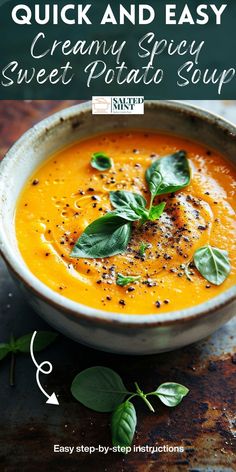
171 394
42 340
107 236
174 171
212 263
123 424
99 388
123 280
4 350
100 161
130 215
156 211
121 198
130 206
154 182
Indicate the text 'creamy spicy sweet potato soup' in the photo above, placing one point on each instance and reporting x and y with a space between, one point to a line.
131 222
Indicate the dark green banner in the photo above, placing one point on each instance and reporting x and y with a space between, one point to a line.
158 49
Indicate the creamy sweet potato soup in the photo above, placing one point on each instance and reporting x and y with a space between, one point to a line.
85 230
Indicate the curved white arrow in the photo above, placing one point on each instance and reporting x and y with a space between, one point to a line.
51 399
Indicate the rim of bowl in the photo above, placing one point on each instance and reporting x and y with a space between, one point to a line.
75 309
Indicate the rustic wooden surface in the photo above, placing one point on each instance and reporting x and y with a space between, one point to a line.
205 423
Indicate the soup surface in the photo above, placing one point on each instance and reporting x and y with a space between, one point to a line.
66 194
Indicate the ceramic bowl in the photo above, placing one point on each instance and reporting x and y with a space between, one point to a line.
114 332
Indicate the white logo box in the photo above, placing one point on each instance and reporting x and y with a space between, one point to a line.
118 105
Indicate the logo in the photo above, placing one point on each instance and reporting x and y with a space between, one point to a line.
118 105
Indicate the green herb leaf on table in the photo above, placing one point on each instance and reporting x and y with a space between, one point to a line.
106 236
42 340
22 346
174 173
99 388
100 161
212 263
123 280
123 424
171 394
129 205
4 350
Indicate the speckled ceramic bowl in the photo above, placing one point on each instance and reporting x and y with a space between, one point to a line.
120 333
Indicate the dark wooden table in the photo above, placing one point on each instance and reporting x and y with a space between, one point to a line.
205 423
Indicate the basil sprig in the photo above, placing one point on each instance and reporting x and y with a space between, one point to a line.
100 161
101 389
168 174
110 234
22 346
107 236
212 263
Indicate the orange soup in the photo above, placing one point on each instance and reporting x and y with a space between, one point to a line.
66 194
